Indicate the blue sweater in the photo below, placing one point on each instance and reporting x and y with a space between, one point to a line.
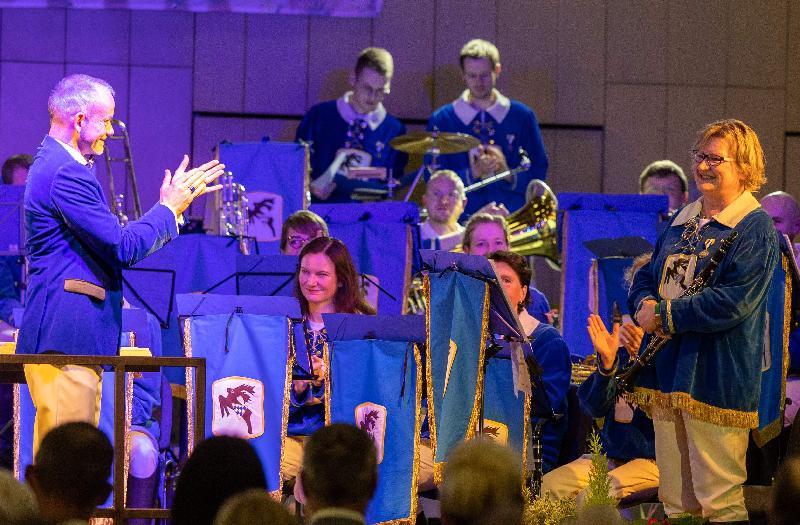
620 440
326 130
519 129
552 354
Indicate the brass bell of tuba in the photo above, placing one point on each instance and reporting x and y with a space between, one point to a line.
532 228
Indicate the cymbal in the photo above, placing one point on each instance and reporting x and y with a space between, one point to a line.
422 142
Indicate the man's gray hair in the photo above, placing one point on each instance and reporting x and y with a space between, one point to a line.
75 94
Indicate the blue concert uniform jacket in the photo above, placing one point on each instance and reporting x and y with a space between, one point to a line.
620 439
326 127
711 367
509 125
77 249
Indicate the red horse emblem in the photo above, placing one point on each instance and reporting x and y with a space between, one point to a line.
231 403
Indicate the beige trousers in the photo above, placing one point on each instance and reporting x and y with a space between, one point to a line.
627 478
702 467
62 395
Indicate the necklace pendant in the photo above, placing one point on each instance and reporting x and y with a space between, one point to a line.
703 254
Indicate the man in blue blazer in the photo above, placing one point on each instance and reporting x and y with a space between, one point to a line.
77 248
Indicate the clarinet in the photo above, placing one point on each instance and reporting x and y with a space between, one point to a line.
626 377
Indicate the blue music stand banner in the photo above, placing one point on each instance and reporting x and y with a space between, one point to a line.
385 401
592 216
457 315
248 376
506 413
775 363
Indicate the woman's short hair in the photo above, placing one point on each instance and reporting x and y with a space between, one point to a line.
519 264
745 146
349 298
304 221
483 218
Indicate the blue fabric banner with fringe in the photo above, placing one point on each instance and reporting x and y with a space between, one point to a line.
377 386
457 317
775 361
248 376
506 416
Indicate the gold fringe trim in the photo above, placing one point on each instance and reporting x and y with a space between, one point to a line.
654 399
476 403
326 356
125 437
773 429
526 437
426 290
412 517
276 494
187 351
17 425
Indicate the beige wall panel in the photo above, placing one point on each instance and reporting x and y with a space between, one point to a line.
33 35
793 166
24 88
528 43
109 26
688 110
333 47
634 134
793 69
697 40
162 38
637 38
276 66
457 22
757 43
209 131
576 160
581 63
406 30
763 110
278 130
219 62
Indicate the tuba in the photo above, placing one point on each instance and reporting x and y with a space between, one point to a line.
532 228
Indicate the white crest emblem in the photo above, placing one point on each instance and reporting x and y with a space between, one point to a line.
265 215
238 407
371 418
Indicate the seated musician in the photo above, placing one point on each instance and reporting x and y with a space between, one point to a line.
502 125
299 229
627 434
444 199
549 349
352 133
487 233
664 177
326 282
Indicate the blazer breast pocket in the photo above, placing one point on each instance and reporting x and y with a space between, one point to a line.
82 287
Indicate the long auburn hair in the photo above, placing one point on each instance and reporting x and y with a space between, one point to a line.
348 299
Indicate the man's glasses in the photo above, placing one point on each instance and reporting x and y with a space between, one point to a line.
297 241
712 160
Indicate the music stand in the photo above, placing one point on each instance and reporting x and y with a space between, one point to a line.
263 275
347 327
190 305
503 322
